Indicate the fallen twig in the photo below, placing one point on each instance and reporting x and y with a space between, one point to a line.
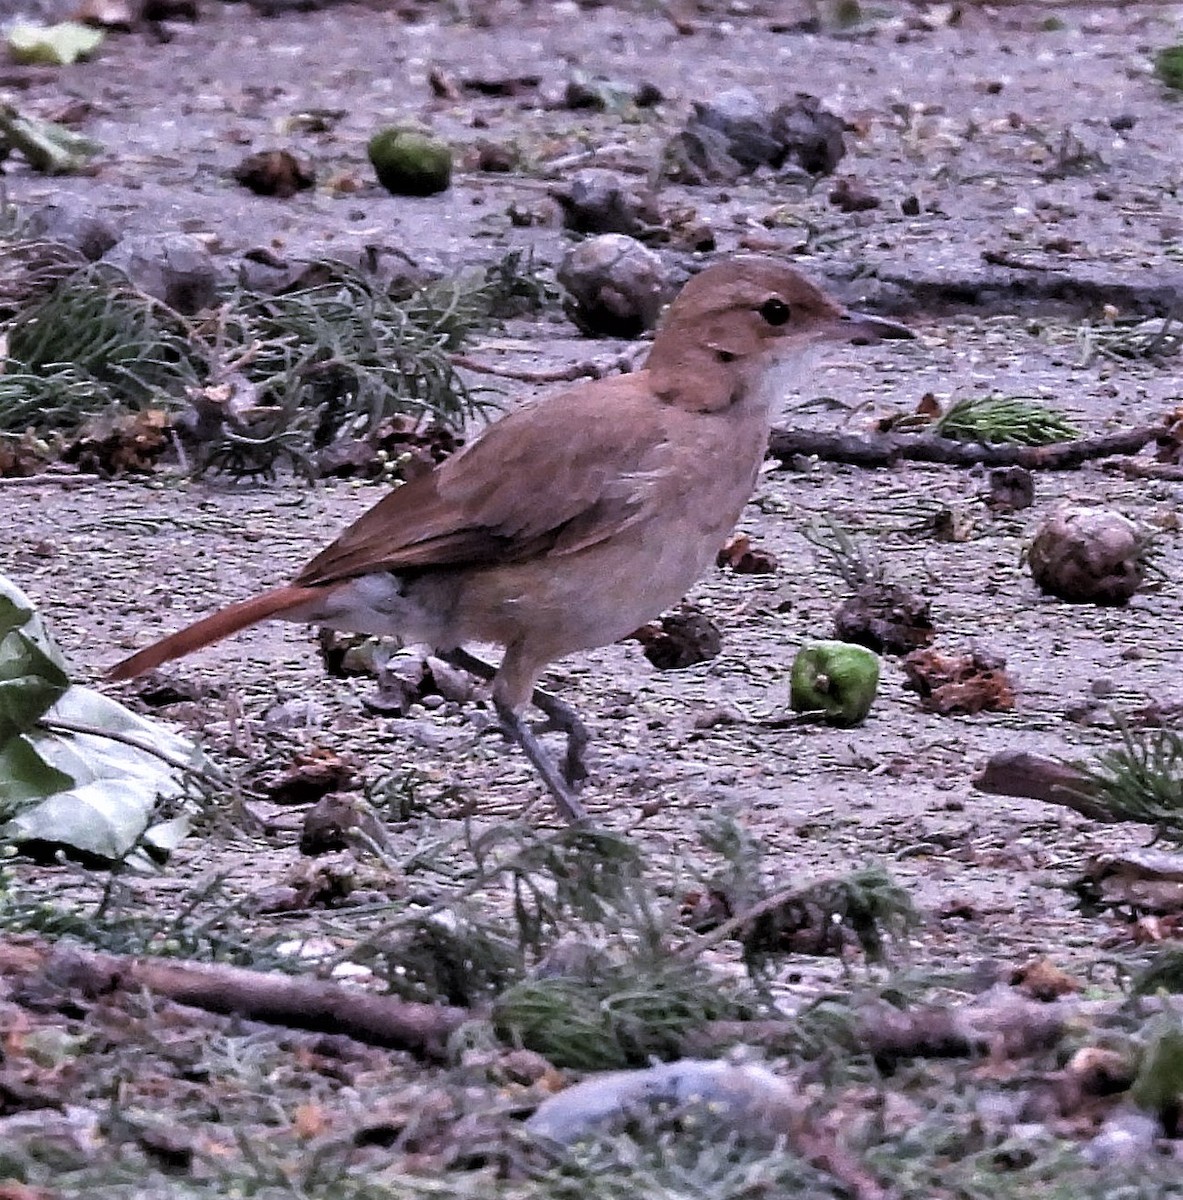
1017 773
1002 1021
420 1029
567 374
886 449
1139 469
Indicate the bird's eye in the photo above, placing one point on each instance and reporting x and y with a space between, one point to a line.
775 311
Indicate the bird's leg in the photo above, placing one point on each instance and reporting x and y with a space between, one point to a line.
518 731
560 716
563 718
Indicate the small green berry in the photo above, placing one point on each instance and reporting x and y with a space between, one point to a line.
410 163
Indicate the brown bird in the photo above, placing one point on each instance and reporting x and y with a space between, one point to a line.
574 519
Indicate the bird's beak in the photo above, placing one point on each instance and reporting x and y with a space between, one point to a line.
861 328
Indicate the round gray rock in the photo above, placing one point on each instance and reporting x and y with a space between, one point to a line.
172 267
73 223
1088 555
616 287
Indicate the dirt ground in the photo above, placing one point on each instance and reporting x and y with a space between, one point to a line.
968 114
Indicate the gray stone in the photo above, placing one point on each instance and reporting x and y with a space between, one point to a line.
72 223
616 287
172 267
598 201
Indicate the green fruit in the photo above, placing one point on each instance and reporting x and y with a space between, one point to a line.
1159 1086
836 679
409 163
1168 66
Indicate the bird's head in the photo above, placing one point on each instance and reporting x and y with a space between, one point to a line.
738 318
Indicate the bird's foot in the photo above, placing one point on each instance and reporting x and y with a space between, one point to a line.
560 788
561 717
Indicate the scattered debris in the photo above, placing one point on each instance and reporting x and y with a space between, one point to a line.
328 825
679 639
407 677
175 268
403 681
308 1003
1140 780
121 15
115 444
1087 555
960 684
852 195
885 450
1009 489
399 448
79 772
72 222
885 617
598 201
749 1099
1168 66
498 158
1043 980
313 774
734 134
507 86
46 146
1158 1088
739 555
1020 773
52 45
598 94
23 455
1135 881
274 173
864 911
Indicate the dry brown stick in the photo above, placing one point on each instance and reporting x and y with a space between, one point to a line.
886 449
301 1003
1017 773
1007 1022
1137 469
567 374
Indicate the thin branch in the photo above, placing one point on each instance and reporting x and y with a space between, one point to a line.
886 449
299 1003
568 374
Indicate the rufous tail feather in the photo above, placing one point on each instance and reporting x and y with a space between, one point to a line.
214 628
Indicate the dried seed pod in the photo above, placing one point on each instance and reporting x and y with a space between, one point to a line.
1088 555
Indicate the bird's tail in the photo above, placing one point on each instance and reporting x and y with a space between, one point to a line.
213 628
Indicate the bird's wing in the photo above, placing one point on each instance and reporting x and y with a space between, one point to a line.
548 479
